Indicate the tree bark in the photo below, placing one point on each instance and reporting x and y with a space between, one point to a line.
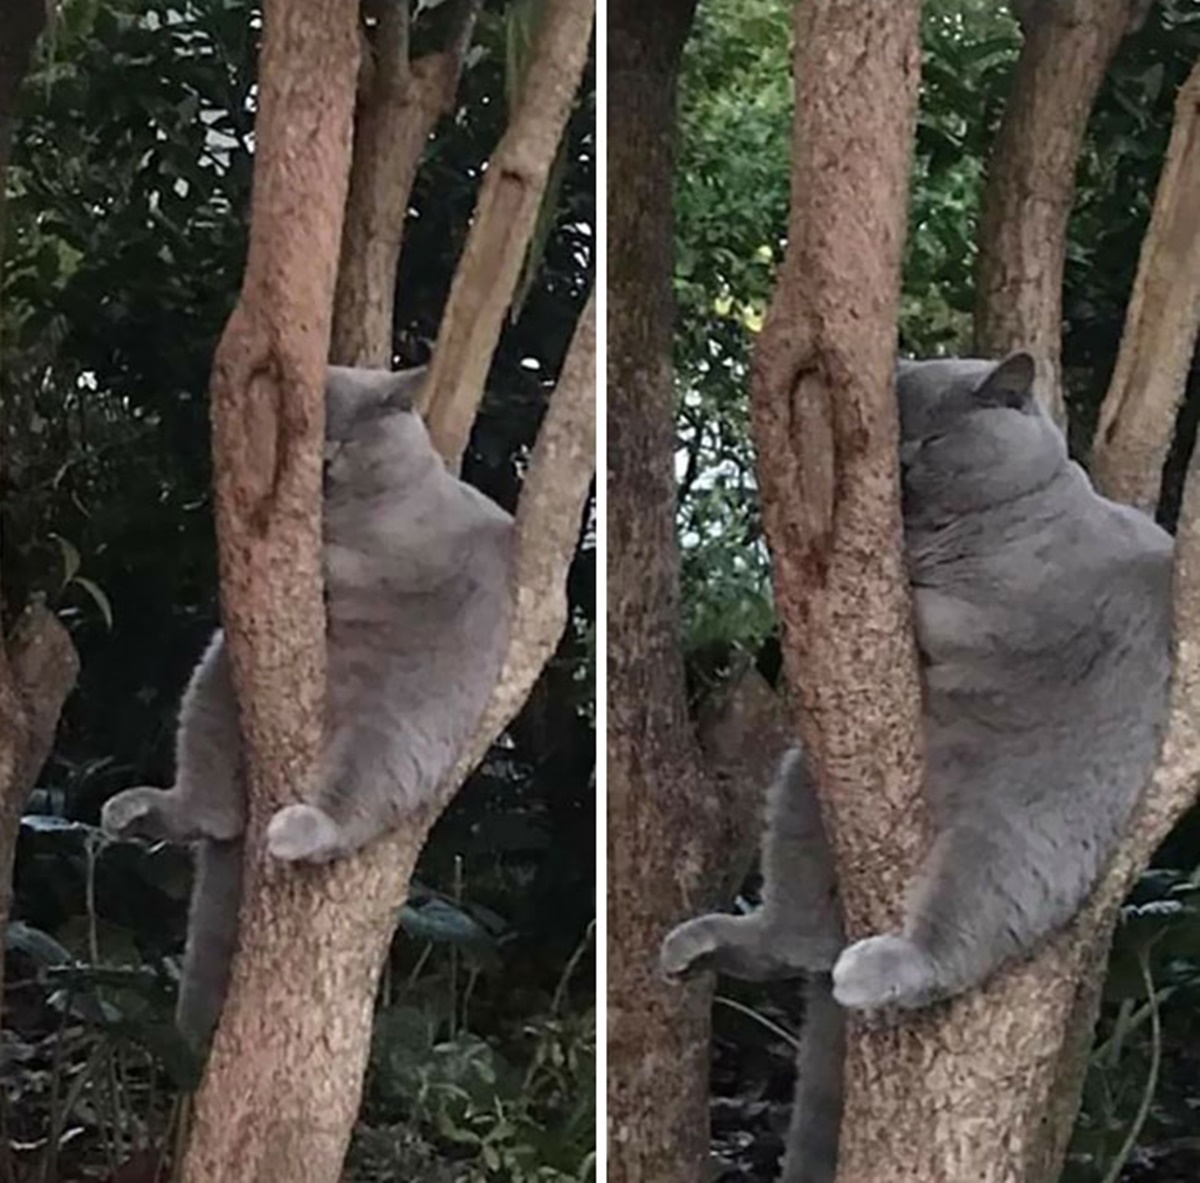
1031 180
38 668
674 833
279 1097
1137 418
503 224
987 1087
399 104
826 434
281 1087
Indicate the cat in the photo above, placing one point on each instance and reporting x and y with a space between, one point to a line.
418 600
1043 622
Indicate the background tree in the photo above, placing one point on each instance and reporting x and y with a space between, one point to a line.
483 1034
732 205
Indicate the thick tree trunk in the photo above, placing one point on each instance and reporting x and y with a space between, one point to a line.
503 224
281 1088
825 429
1137 419
1031 180
661 839
399 104
674 832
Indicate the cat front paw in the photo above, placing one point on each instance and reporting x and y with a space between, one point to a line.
304 833
884 971
135 813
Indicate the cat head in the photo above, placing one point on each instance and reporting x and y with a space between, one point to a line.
356 397
972 435
374 438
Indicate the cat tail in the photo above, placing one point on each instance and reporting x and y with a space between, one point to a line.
211 941
810 1155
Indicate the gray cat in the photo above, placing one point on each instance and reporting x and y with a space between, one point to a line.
1043 621
418 597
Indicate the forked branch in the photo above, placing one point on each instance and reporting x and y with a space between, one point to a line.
503 225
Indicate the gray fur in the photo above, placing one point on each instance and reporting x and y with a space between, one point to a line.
417 580
1043 617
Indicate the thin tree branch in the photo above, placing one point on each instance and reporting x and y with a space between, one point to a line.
1030 181
1137 418
399 104
504 219
548 517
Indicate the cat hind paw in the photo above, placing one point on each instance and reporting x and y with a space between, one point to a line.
134 813
304 833
884 971
686 949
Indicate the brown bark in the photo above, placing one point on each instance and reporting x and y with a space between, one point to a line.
503 224
1031 180
672 829
825 430
281 1088
399 104
280 1097
987 1087
38 668
1137 418
826 434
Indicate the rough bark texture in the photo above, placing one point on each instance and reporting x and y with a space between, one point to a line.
1031 179
986 1088
284 1078
38 668
671 828
399 104
503 224
281 1089
1138 416
826 434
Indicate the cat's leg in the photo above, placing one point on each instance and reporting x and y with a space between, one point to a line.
389 758
207 800
987 892
798 928
810 1154
211 940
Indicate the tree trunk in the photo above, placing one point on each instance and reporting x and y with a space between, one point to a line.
826 435
672 830
38 668
503 224
1031 180
399 104
281 1088
1138 415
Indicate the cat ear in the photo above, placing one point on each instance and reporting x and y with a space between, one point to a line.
404 388
1010 384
